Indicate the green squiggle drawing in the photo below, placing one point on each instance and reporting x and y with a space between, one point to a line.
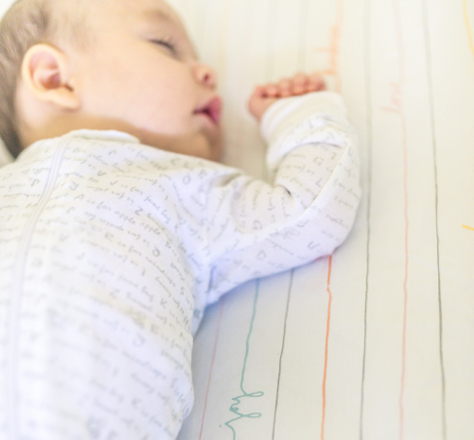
238 400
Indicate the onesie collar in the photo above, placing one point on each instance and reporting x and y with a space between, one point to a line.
103 135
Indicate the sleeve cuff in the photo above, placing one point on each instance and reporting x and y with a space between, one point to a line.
286 113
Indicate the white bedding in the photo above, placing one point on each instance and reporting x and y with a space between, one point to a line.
377 341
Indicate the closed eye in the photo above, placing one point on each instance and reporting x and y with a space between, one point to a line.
169 44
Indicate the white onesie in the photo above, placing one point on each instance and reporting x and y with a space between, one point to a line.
110 251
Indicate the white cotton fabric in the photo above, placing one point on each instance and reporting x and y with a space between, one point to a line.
110 251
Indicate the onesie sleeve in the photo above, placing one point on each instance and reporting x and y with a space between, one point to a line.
257 228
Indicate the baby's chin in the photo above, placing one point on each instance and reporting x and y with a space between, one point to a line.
215 147
204 144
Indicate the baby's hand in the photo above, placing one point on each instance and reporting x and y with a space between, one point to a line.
300 84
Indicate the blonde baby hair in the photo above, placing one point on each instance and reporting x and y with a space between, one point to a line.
26 23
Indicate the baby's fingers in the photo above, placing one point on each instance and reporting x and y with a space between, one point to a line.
300 84
269 90
316 83
285 87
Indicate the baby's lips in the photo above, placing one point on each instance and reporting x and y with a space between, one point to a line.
212 108
215 109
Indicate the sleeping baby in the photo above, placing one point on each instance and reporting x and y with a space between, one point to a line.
117 224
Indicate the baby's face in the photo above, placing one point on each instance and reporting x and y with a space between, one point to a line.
141 75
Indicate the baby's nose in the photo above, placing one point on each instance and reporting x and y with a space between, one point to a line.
205 75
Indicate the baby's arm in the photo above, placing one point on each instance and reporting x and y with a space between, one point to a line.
257 228
266 95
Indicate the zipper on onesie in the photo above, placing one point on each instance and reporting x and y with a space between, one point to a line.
19 268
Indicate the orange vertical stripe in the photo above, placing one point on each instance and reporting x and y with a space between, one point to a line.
326 349
334 47
333 70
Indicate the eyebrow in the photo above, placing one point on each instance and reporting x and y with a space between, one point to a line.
158 15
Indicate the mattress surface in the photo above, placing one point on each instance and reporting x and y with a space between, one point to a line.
376 341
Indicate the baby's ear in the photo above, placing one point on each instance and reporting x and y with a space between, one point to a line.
45 72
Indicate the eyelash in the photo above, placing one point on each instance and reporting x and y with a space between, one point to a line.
168 43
